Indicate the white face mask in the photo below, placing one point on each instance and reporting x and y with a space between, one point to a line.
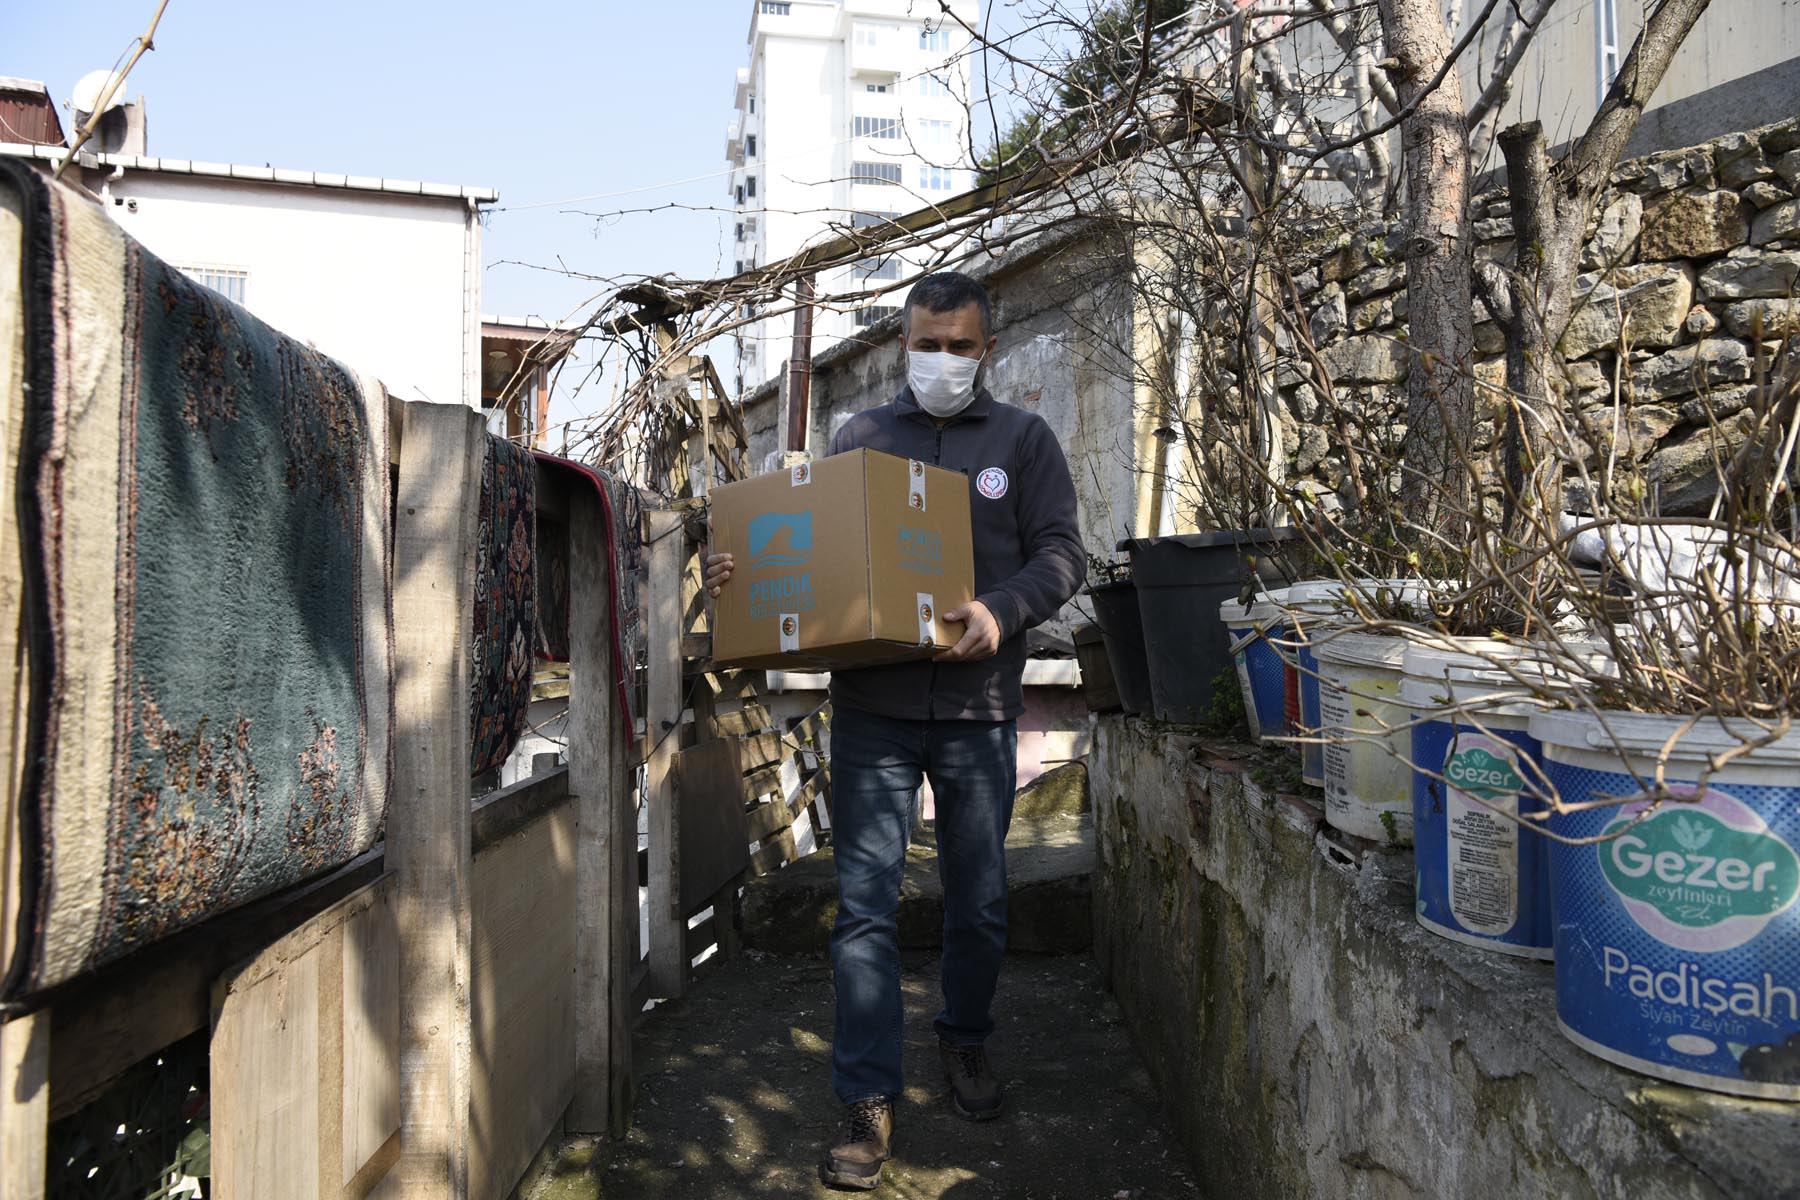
941 382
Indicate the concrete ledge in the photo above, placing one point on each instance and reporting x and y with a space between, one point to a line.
1312 1040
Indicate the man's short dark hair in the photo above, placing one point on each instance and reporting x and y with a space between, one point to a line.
945 292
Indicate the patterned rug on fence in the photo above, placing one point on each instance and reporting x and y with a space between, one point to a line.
203 529
505 582
625 563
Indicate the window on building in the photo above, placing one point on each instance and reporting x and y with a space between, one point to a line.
739 268
935 133
869 314
878 268
870 172
876 127
933 86
934 39
740 194
750 185
875 36
740 231
753 102
775 8
936 179
1606 33
750 145
864 220
875 87
227 281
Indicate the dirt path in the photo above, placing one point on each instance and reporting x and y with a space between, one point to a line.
734 1097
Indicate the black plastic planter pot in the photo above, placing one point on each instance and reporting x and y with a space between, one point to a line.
1181 582
1116 610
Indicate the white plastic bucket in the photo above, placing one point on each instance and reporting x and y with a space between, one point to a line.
1253 631
1316 608
1481 877
1678 931
1368 789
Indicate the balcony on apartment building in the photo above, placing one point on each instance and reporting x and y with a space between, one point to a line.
881 51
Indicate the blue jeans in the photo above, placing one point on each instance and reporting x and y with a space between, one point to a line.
876 766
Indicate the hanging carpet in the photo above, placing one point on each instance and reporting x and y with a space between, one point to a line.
201 516
504 644
624 554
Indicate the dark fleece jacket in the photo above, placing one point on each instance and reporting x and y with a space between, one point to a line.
1028 554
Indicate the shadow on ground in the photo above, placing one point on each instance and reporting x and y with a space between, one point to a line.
734 1097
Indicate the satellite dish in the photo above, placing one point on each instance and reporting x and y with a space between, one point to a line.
90 87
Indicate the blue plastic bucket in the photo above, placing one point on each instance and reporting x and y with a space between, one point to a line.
1252 630
1678 935
1480 876
1311 607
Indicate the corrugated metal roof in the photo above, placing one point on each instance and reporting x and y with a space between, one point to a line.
320 179
27 114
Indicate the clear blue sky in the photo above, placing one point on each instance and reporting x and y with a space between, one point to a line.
538 101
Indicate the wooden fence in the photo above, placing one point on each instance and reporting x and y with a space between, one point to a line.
422 1021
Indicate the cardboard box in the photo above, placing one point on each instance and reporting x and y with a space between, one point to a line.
846 561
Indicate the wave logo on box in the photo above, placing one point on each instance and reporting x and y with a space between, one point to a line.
781 542
921 551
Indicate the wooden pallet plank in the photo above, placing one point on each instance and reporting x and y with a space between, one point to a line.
765 820
757 750
778 851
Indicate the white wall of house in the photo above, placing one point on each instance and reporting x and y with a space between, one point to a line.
388 283
1567 70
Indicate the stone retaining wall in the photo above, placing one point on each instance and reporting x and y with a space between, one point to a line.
1693 251
1313 1041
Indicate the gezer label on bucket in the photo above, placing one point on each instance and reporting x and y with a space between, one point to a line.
1691 879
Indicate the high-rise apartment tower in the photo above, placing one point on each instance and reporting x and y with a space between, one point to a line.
850 112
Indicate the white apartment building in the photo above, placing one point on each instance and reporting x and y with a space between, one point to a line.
849 112
383 274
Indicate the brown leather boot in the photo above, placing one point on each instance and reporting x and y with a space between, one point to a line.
857 1162
974 1089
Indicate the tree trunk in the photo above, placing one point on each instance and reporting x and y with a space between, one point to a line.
1533 469
1551 207
1440 396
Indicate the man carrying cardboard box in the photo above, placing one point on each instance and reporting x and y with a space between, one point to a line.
950 719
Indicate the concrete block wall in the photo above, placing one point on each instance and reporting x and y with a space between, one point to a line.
1312 1040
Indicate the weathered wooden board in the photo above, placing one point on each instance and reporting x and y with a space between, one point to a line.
428 818
305 1059
714 843
25 1040
523 1006
666 551
606 825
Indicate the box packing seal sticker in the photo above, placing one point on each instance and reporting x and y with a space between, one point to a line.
915 484
927 619
800 474
790 632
